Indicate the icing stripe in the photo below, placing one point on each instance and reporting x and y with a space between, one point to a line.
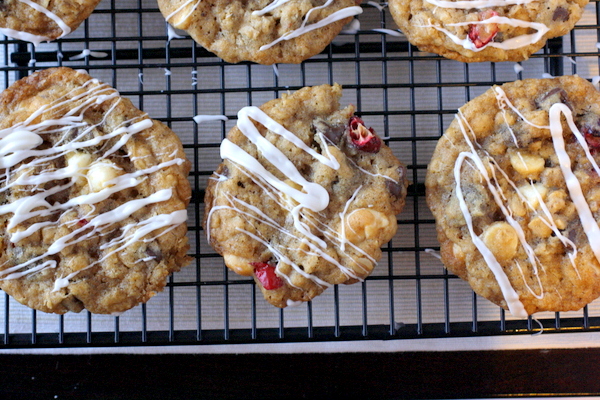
469 4
37 39
508 44
511 297
588 222
20 144
336 16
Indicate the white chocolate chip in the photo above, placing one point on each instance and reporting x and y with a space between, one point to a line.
501 239
539 228
364 223
533 193
78 162
458 252
101 173
238 264
528 165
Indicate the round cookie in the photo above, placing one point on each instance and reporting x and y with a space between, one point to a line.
263 31
42 21
484 30
305 197
93 196
514 186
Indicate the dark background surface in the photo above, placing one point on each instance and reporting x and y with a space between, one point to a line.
521 373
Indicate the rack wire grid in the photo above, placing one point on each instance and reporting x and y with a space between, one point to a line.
409 97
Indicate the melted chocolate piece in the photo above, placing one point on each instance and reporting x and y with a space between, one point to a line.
156 254
396 189
561 14
333 132
556 95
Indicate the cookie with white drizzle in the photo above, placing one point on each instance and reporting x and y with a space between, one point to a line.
484 30
305 197
43 21
263 31
514 186
93 196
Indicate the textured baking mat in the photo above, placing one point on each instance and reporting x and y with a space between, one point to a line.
409 98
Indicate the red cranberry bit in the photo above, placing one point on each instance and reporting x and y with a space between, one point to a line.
265 273
482 34
592 137
362 137
82 222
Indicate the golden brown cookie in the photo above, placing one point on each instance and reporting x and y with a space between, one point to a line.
93 196
43 20
263 31
484 30
514 186
305 197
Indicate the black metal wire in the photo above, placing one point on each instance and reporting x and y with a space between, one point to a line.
149 50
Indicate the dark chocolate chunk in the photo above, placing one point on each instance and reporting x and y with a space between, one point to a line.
333 132
561 14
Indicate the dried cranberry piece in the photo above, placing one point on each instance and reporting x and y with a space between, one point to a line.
82 222
363 138
482 34
592 137
265 273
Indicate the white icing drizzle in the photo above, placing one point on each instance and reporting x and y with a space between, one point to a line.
391 32
166 222
351 28
37 39
468 4
21 142
433 253
496 191
304 28
303 206
171 34
87 52
378 6
343 219
508 44
518 68
588 222
291 303
316 197
204 118
511 297
180 8
270 7
27 37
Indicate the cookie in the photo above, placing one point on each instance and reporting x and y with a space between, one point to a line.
263 31
514 186
93 196
305 196
43 21
490 30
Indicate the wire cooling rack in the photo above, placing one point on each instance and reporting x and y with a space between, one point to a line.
409 97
